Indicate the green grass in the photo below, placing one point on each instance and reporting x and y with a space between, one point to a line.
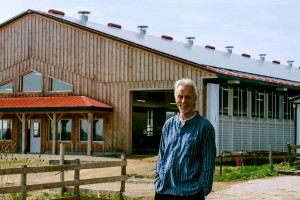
243 173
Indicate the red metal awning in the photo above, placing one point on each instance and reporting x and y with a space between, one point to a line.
61 103
254 77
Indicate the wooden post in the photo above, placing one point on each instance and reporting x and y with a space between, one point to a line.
90 133
123 172
24 133
76 178
54 133
23 182
62 162
221 163
290 155
270 158
242 158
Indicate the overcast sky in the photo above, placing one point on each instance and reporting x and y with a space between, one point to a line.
251 26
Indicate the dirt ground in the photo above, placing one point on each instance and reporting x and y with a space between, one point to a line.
140 170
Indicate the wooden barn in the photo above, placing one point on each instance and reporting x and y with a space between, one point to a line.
102 88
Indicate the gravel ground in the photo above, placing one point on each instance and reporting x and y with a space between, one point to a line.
276 188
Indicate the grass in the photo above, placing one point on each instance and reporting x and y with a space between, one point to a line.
244 173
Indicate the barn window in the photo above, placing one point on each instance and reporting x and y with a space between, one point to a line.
97 130
31 82
6 88
288 109
5 129
58 85
223 104
257 104
273 105
64 130
239 102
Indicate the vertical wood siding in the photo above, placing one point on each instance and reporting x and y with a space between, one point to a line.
97 67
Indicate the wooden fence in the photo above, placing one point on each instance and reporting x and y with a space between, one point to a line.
24 171
240 157
292 155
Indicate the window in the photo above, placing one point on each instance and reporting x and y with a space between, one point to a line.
36 129
288 109
243 102
6 88
58 85
64 130
239 101
258 105
150 123
5 129
97 130
233 101
273 105
31 82
223 104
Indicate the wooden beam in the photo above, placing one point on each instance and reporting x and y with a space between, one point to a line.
20 118
29 116
59 118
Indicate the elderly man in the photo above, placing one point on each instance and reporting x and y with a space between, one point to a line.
187 151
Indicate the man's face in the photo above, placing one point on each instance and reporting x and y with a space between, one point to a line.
185 99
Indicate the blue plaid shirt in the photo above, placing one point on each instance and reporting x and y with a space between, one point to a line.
186 157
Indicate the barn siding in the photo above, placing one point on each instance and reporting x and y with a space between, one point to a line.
98 67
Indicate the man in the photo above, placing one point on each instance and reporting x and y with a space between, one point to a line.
187 151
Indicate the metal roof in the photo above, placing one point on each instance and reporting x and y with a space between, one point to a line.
61 103
193 54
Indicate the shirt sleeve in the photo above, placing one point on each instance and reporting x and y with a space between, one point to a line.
208 154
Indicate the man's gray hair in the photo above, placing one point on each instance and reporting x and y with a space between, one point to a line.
185 82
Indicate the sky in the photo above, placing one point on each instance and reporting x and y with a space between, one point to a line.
253 27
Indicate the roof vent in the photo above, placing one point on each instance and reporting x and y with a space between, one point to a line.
142 29
166 37
190 40
210 47
84 15
114 25
262 56
229 49
245 55
276 62
290 63
56 12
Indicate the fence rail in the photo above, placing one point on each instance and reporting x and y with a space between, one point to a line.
24 171
292 155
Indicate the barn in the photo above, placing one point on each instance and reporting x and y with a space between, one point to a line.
100 88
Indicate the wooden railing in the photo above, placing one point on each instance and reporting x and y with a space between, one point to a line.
292 154
24 171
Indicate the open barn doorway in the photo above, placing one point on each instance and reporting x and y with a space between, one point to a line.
150 109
